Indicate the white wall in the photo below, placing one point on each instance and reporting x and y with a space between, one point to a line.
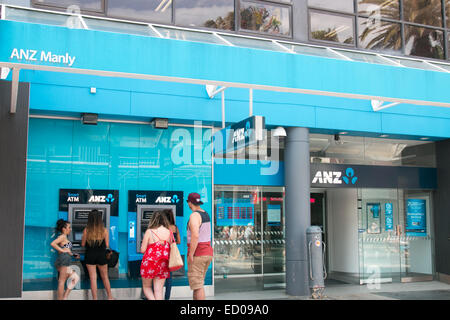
342 216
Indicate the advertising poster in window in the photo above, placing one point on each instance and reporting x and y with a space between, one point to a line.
416 218
388 217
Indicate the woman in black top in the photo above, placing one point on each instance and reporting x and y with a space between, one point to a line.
176 235
96 239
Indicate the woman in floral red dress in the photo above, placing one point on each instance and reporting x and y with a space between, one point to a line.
155 263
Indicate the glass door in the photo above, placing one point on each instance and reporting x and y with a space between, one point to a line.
238 241
274 258
378 236
416 247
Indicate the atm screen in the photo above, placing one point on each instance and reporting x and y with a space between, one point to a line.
147 214
77 236
82 214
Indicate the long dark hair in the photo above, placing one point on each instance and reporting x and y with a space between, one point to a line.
169 216
159 218
95 230
61 224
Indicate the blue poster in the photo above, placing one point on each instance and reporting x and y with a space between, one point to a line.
388 217
416 218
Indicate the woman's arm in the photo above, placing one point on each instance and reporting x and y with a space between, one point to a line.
83 238
178 239
55 245
107 238
145 241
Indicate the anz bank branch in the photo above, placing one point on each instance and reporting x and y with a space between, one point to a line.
312 116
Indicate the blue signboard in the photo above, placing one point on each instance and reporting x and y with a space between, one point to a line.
388 217
416 218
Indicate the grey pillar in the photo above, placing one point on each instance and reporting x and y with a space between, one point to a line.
298 211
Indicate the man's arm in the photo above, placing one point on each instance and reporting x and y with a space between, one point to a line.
194 226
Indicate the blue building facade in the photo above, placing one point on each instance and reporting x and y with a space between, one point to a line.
130 79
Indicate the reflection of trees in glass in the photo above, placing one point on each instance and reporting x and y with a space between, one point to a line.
330 35
226 23
425 42
428 12
384 35
259 19
379 8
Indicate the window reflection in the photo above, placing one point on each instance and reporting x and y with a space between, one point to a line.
424 12
447 12
146 10
379 35
340 5
218 14
265 18
331 28
424 42
81 4
379 8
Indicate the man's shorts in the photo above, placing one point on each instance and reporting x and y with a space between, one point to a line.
197 271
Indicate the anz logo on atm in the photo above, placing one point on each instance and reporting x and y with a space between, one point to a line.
173 199
335 177
102 199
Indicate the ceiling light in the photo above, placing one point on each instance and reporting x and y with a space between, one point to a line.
384 136
424 138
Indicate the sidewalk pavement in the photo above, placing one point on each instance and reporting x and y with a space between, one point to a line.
430 290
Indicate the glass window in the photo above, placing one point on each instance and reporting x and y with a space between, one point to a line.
120 27
330 27
29 16
252 43
265 18
447 12
341 5
311 50
145 10
218 14
379 35
188 35
379 8
95 5
424 42
424 12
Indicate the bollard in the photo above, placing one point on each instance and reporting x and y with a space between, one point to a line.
316 259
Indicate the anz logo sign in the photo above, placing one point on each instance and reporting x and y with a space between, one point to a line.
102 199
173 199
335 177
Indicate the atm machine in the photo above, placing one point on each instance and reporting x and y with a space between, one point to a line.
141 207
75 206
78 217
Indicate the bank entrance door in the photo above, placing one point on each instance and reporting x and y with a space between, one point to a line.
394 236
249 246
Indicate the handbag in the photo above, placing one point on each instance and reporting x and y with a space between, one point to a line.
175 260
112 257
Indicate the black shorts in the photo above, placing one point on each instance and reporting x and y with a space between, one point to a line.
95 257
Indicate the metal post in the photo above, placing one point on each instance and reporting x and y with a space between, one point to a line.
250 102
298 212
223 109
14 89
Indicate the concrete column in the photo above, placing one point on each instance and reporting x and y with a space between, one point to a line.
298 210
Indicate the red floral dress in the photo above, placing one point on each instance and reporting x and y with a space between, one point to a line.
155 262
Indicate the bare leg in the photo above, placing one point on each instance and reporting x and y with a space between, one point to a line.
61 282
104 275
199 294
92 270
72 280
147 288
158 287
